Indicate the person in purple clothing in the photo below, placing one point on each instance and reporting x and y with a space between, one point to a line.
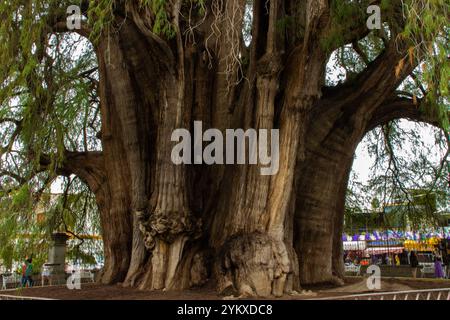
438 271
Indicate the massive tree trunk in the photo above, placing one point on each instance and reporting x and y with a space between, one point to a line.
168 226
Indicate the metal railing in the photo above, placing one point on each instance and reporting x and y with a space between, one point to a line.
15 281
14 297
426 294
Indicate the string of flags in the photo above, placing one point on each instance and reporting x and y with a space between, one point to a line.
441 233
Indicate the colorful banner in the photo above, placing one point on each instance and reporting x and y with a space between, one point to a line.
440 233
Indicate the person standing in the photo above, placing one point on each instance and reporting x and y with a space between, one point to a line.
445 259
388 260
414 262
447 265
438 271
24 277
397 260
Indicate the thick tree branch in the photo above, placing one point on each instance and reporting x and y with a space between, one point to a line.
61 26
57 20
358 30
398 108
88 166
381 77
160 48
360 52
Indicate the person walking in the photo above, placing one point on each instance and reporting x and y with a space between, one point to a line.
29 272
414 262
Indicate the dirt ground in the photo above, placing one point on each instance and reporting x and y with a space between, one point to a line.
352 285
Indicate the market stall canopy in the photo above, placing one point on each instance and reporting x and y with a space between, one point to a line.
440 233
382 250
354 245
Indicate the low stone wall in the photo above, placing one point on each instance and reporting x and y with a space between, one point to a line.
395 271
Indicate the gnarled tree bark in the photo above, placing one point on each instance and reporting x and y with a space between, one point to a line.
168 226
